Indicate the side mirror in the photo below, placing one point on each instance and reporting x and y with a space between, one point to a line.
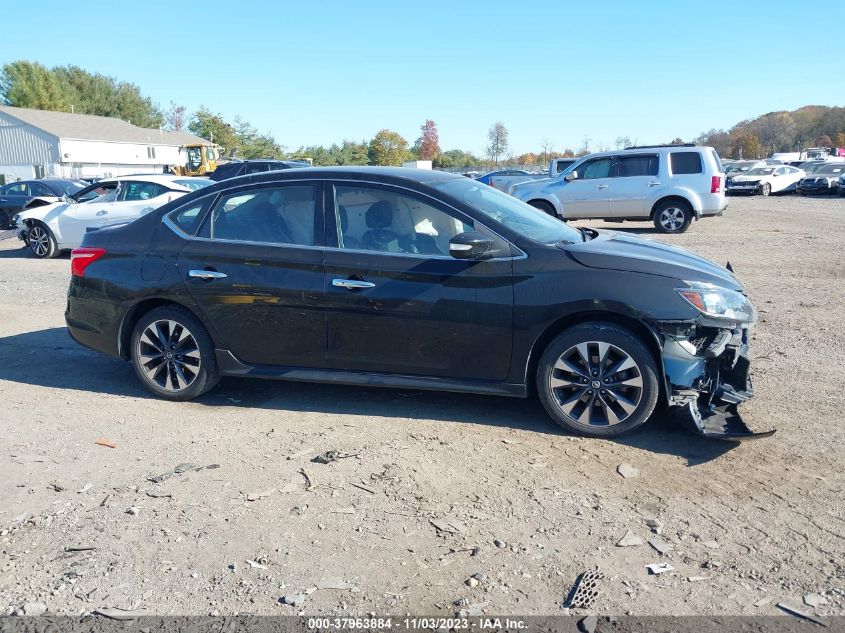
573 175
470 245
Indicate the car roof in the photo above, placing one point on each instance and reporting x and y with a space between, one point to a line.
162 179
387 175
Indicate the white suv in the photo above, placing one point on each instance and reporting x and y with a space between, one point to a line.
668 184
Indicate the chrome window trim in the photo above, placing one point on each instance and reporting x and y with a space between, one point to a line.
329 181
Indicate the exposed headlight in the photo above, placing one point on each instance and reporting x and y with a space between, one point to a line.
719 303
16 218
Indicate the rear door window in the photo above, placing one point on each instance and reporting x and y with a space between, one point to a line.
271 215
638 165
37 189
255 168
188 218
685 163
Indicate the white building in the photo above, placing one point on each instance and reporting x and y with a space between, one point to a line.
38 143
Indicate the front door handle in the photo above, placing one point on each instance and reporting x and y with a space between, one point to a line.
601 186
103 212
352 284
206 274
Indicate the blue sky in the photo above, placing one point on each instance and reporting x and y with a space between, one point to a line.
319 72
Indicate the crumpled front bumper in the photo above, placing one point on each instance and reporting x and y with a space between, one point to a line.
707 371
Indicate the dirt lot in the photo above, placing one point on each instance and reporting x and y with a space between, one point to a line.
748 525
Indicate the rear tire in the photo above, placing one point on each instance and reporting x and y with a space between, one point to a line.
545 207
672 217
173 355
598 379
42 242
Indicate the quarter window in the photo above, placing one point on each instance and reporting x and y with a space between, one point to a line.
276 215
387 222
598 168
188 218
37 189
628 166
685 163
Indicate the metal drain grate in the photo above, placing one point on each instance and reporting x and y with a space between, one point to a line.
586 589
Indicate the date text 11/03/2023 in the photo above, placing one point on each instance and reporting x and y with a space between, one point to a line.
412 623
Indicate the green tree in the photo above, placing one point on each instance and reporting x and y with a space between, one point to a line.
31 85
388 148
204 123
456 159
253 144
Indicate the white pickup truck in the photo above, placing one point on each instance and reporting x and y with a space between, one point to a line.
505 179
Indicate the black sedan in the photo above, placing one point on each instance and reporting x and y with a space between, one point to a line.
246 167
414 279
15 196
823 180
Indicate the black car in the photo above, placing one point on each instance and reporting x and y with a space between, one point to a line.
16 195
247 167
418 279
822 178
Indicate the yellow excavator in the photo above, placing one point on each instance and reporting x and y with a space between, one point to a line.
200 160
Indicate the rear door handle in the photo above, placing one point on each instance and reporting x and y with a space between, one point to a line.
206 274
352 284
602 186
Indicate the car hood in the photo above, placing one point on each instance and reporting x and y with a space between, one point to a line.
536 183
40 213
750 178
616 251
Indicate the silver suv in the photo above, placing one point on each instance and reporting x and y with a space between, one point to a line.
669 185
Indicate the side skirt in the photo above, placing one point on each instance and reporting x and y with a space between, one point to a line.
228 365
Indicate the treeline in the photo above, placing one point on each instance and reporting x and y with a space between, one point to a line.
810 126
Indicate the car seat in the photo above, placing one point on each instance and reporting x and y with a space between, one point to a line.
349 241
379 216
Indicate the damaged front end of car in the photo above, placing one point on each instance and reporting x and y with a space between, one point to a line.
706 362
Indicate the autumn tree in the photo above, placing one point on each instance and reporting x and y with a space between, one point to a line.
839 139
388 148
427 146
497 136
748 146
823 141
175 117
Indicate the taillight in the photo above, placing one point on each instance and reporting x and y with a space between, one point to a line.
490 182
715 184
81 258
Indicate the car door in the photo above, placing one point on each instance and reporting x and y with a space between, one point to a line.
256 272
14 196
397 302
92 209
635 185
588 195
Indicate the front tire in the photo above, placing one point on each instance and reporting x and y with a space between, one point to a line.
545 207
672 217
42 242
765 189
598 379
173 355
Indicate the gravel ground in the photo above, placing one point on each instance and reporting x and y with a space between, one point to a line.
391 529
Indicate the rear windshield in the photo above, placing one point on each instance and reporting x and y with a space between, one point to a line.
685 163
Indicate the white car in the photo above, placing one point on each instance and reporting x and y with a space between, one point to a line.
48 230
766 180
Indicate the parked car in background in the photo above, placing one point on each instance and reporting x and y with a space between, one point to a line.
670 185
842 185
739 167
415 279
766 180
824 179
246 167
50 229
504 178
15 196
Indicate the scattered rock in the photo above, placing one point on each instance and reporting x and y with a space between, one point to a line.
630 540
113 613
294 600
33 608
334 582
134 511
480 577
449 525
256 564
500 543
762 601
697 578
627 471
475 551
815 600
588 624
472 582
104 442
255 496
711 544
660 545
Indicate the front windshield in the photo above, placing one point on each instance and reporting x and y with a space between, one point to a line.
760 171
739 167
507 210
194 183
837 169
72 187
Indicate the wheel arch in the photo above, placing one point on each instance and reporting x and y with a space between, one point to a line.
637 327
546 200
677 199
138 310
